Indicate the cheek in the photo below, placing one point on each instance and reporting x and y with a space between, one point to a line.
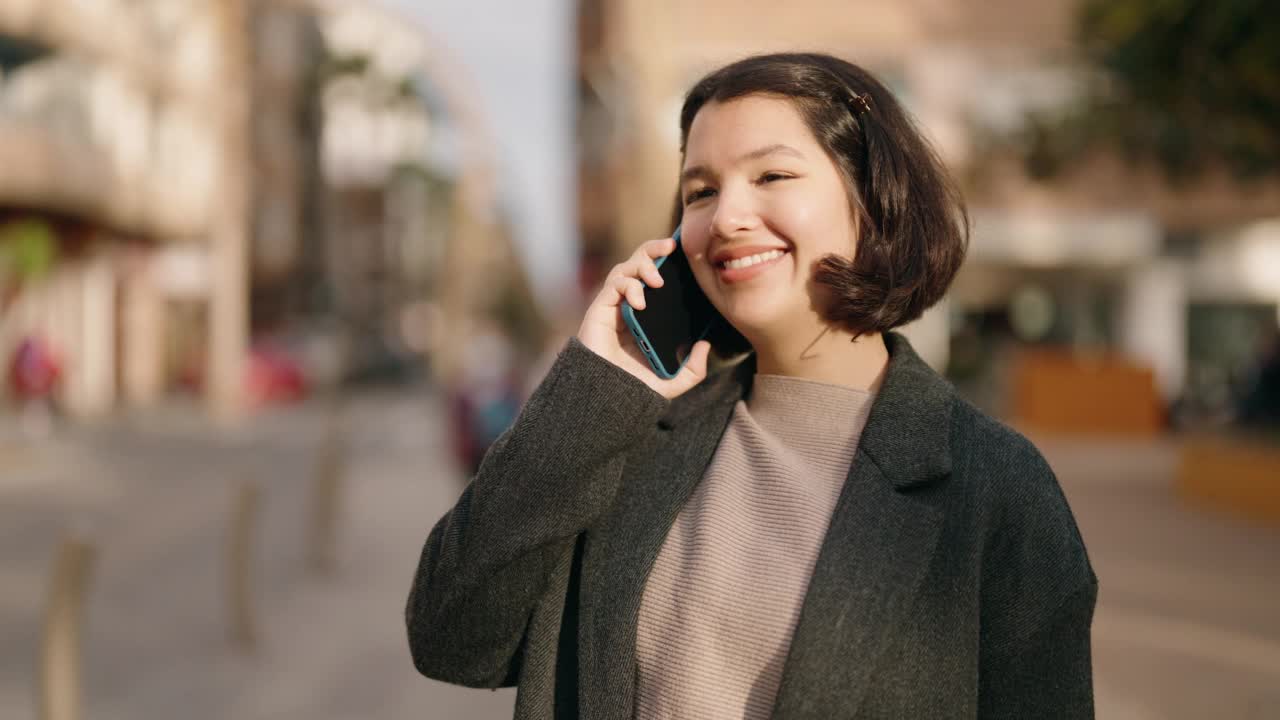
694 238
695 234
816 223
799 203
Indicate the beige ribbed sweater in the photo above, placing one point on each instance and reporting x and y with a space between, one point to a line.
722 600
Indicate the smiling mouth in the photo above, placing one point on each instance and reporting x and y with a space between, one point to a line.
746 262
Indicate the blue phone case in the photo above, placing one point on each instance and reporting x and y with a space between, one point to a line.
633 324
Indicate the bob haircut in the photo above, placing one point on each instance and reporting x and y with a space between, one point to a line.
913 228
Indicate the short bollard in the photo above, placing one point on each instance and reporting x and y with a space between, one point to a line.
326 498
60 692
240 600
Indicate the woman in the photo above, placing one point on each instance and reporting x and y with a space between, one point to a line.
821 530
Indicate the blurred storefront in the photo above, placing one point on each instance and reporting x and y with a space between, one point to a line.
1106 277
300 181
121 164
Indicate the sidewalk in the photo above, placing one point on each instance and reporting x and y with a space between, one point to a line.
1186 625
155 493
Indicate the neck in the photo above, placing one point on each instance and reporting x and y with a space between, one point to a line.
833 356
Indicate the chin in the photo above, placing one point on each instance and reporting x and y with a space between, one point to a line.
756 321
760 302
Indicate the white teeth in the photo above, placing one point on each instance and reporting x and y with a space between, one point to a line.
753 259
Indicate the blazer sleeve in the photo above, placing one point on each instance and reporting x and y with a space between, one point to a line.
486 563
1050 674
1039 592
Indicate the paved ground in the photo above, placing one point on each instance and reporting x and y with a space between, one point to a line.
157 497
1188 619
1187 624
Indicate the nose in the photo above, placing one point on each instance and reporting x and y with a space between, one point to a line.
735 213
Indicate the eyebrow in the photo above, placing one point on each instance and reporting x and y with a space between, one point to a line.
702 171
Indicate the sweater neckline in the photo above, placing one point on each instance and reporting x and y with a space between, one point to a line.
813 410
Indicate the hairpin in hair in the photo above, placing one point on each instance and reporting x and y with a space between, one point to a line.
860 103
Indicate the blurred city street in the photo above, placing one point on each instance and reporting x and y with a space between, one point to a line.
156 495
1186 625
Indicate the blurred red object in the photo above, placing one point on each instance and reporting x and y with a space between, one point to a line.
273 377
477 417
35 370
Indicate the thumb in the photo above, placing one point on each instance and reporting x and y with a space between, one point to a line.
695 369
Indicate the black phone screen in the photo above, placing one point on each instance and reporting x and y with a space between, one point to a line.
677 314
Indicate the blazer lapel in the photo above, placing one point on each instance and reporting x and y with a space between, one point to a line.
876 552
621 548
878 547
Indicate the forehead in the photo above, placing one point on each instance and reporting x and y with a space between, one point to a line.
744 124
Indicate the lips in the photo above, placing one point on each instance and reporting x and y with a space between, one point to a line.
738 270
750 260
724 255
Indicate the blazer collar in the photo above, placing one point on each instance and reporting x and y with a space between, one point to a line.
907 434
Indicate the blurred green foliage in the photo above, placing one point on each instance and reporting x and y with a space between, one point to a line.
28 249
1185 84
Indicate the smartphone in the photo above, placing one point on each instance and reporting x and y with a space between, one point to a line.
675 316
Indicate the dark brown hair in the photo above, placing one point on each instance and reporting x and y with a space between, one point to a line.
913 229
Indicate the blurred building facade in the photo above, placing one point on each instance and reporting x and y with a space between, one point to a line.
287 161
131 167
1111 264
418 251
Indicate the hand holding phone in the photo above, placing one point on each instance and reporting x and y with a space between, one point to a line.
675 316
605 332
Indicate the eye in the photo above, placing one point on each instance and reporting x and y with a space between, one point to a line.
696 195
772 176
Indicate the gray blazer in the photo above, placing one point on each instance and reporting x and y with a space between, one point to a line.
952 583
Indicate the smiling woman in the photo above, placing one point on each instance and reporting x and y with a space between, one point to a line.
821 529
842 131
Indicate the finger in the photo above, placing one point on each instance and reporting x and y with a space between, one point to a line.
640 265
656 248
632 289
695 368
648 270
613 291
608 295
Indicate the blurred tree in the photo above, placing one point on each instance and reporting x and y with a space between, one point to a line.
1188 84
28 249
